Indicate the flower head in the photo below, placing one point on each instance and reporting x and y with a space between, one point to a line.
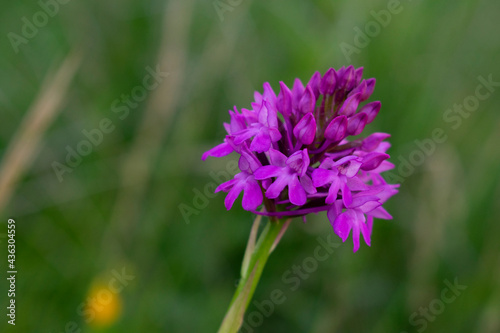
297 155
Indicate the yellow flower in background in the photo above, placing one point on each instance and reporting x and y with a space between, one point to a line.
103 306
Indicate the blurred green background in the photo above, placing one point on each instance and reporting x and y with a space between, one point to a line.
117 212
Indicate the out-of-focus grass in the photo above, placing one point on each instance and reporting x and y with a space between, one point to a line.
445 218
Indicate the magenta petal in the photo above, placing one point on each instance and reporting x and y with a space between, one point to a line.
368 230
373 160
262 142
264 113
314 83
346 195
321 177
308 101
334 211
296 192
352 168
305 130
370 86
333 191
361 200
277 158
384 166
336 129
237 122
297 92
218 151
299 161
356 184
369 227
344 160
307 184
348 79
328 82
274 134
360 89
233 194
372 141
267 171
369 206
358 75
350 105
269 95
371 110
252 195
381 213
241 136
272 117
356 124
226 186
277 187
285 100
342 225
248 161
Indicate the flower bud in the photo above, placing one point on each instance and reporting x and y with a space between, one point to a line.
356 124
285 100
305 130
314 83
373 160
328 82
336 129
307 102
372 141
350 105
371 110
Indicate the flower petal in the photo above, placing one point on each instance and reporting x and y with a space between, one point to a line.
371 110
307 102
373 160
307 184
262 142
305 130
218 151
277 158
328 82
333 191
336 129
346 193
321 177
268 171
299 161
314 83
342 225
226 186
252 195
381 213
296 192
350 105
277 187
356 124
285 100
233 194
373 140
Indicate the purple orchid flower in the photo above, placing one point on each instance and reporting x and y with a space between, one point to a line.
289 172
304 160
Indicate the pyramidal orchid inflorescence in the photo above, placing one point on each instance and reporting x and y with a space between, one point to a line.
297 157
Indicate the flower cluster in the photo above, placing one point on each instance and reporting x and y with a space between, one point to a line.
295 157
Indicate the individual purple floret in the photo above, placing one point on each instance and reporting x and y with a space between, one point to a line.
297 154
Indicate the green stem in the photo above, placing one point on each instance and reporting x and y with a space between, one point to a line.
250 277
